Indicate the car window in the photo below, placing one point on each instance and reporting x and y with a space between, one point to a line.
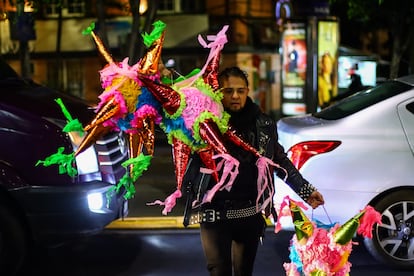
410 107
6 71
362 99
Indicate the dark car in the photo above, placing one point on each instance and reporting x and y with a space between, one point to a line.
39 205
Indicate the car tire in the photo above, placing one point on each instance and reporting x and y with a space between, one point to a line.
13 242
393 241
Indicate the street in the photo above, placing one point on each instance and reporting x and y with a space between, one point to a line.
168 252
146 243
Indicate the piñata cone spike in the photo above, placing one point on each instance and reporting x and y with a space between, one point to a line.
135 148
149 63
105 113
211 72
210 133
345 233
135 144
102 48
233 137
206 156
148 135
181 156
90 30
91 137
169 98
303 226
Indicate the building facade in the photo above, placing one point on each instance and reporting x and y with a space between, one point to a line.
71 63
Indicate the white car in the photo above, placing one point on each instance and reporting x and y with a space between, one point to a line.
359 152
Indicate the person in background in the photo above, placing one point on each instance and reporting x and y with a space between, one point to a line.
230 242
356 83
327 89
293 57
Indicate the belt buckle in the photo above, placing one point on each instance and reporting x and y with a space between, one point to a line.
209 215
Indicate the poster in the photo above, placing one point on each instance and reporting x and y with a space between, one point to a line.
294 63
328 44
294 57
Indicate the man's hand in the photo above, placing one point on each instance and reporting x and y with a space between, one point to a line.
315 199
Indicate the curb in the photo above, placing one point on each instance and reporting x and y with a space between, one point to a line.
150 223
155 223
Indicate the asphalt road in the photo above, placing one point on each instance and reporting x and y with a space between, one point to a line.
147 243
168 253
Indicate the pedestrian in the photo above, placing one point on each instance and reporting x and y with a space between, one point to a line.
230 225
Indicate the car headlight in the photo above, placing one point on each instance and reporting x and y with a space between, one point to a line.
86 161
95 201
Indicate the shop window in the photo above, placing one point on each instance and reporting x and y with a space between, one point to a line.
70 8
169 6
66 76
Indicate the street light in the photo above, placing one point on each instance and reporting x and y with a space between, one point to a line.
143 6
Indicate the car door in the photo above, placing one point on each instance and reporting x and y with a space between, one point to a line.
406 114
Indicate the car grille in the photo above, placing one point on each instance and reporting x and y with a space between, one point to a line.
112 151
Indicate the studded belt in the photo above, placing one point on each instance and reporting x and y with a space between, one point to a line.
211 215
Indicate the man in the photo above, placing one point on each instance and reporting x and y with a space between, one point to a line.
230 242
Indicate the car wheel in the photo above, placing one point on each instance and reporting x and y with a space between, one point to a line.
393 241
13 242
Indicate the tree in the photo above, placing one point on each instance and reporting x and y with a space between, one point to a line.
135 47
395 15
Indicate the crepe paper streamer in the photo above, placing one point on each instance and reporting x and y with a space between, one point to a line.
230 170
127 183
72 124
216 44
65 162
64 109
138 165
155 34
169 202
370 217
264 186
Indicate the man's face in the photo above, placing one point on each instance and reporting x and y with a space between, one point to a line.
235 93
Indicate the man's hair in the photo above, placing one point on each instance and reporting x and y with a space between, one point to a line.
232 72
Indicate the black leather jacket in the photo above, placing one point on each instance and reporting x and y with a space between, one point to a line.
259 130
269 146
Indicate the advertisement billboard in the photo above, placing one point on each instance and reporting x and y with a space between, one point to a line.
350 66
328 46
294 63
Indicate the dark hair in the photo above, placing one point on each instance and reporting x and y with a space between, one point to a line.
232 72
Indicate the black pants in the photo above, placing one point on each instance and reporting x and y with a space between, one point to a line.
231 245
